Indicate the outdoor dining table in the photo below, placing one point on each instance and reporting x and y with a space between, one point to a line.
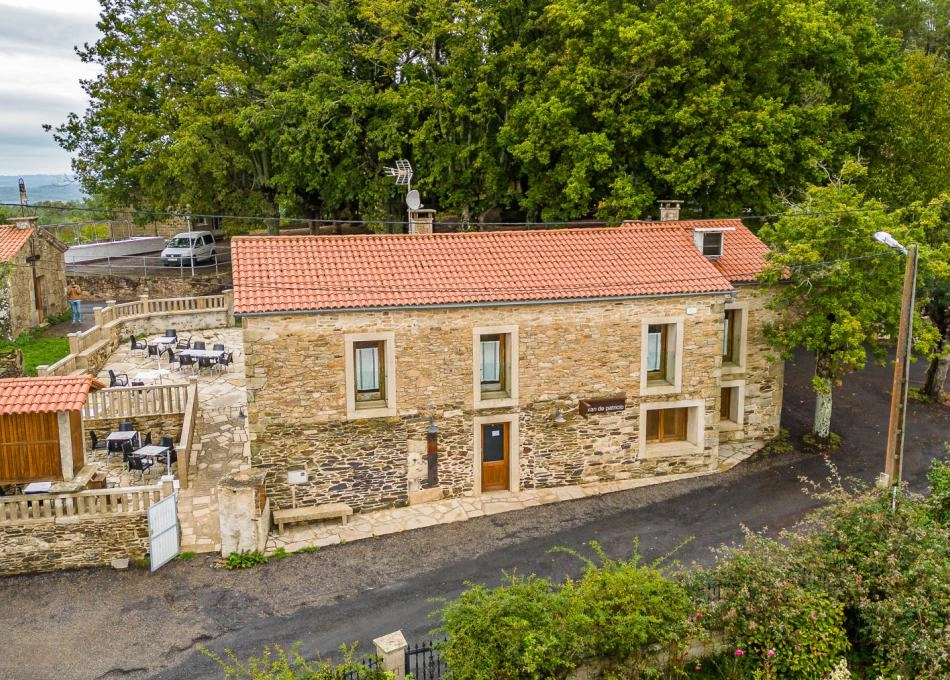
202 353
165 340
154 451
37 487
117 438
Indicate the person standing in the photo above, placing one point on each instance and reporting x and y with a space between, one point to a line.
74 295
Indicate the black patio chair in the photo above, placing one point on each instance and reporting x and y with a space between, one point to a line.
198 344
218 347
154 351
127 450
118 380
137 345
140 463
168 442
126 426
183 343
172 359
148 439
171 333
186 360
206 362
226 360
96 444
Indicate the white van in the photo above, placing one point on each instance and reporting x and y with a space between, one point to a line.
189 247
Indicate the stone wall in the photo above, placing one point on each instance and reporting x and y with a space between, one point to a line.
71 542
566 353
98 288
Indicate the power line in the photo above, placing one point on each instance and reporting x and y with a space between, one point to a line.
583 222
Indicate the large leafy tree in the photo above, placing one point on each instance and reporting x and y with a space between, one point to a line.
557 108
840 290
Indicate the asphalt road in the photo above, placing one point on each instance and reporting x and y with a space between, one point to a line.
101 623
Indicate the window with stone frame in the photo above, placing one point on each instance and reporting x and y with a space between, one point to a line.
370 366
661 364
731 404
495 366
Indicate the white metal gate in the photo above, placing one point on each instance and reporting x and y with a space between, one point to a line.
163 535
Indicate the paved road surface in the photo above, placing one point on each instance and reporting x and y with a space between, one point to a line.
101 623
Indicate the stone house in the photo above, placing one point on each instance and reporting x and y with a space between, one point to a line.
392 369
32 276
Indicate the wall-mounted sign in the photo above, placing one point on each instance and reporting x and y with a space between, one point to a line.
605 405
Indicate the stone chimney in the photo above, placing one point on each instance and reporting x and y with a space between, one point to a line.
25 222
420 221
670 211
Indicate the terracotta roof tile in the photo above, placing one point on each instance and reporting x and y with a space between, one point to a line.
45 395
11 240
313 273
743 254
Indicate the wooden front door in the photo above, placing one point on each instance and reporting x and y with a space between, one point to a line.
495 457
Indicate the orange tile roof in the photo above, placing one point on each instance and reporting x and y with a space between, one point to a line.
314 273
11 240
743 254
45 395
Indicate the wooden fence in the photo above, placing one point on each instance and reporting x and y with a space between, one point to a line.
29 508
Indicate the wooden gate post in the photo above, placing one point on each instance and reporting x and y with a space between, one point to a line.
391 650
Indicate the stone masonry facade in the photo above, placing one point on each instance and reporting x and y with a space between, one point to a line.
566 352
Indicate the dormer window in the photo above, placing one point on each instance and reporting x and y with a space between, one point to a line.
709 242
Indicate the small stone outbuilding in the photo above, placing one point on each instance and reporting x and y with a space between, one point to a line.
32 276
41 428
389 369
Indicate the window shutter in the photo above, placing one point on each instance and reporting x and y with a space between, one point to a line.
653 349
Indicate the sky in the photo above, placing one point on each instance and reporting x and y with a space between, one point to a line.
39 79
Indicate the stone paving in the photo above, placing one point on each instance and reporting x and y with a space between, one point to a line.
221 446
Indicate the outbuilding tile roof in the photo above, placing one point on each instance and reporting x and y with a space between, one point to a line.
12 240
45 394
315 273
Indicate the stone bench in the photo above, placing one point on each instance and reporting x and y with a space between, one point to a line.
309 513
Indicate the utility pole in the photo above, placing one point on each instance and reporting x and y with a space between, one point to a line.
894 457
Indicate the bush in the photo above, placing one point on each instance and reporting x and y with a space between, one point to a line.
626 612
519 630
763 607
278 664
857 567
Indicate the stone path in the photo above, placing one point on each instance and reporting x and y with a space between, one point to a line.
220 445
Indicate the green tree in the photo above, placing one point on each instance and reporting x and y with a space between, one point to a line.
557 108
837 291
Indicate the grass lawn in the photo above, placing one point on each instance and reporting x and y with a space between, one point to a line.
38 351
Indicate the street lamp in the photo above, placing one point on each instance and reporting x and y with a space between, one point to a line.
894 456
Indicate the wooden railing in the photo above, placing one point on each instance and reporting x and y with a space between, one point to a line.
130 402
83 504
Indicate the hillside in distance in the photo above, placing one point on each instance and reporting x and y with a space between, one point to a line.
40 188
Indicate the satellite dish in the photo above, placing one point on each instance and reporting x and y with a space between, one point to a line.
413 200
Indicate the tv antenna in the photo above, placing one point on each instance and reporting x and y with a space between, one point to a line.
403 174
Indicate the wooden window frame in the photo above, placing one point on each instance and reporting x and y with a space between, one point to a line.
734 419
489 395
655 443
735 361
